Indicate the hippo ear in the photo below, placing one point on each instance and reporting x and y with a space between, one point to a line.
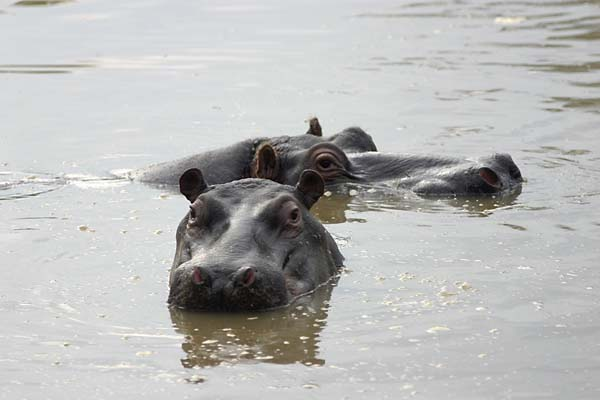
192 184
314 128
310 187
490 177
267 163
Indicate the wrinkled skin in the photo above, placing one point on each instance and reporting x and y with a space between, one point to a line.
241 160
250 244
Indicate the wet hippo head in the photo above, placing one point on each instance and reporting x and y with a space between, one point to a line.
250 244
431 175
497 173
326 158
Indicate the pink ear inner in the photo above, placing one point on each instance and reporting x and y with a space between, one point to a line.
489 177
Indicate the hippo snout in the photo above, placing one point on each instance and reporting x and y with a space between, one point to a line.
232 289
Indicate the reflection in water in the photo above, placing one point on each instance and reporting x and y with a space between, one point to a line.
555 24
587 104
284 336
362 198
41 68
34 3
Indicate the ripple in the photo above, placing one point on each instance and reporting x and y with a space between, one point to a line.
41 68
587 104
38 3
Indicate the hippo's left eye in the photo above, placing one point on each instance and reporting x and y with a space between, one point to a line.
325 163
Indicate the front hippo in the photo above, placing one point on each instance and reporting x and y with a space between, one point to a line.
250 244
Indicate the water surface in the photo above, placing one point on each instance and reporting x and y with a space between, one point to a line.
453 298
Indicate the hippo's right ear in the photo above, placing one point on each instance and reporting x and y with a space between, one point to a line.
314 128
310 187
267 163
192 184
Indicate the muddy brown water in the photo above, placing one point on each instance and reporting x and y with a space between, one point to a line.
471 299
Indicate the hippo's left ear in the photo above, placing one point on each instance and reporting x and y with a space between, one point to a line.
192 184
310 187
267 163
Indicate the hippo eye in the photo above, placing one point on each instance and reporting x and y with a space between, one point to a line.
295 215
326 162
290 218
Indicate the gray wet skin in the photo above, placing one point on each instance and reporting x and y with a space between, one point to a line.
241 160
349 156
251 244
428 175
431 175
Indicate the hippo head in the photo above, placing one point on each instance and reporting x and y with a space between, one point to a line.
495 174
329 160
249 244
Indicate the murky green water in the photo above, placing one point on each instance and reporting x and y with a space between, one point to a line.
441 299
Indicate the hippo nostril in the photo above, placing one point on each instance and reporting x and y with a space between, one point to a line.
515 173
200 277
245 276
490 177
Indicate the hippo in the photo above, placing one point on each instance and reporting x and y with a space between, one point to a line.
264 157
433 175
426 175
347 157
250 244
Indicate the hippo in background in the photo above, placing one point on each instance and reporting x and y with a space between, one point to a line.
433 175
426 175
347 157
250 244
263 157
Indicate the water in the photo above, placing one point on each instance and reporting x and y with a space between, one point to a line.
465 299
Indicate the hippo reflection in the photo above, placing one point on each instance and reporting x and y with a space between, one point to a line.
250 244
285 336
359 199
350 156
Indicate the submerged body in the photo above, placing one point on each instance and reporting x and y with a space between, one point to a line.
250 244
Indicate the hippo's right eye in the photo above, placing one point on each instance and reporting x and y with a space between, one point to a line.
195 212
295 215
291 218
